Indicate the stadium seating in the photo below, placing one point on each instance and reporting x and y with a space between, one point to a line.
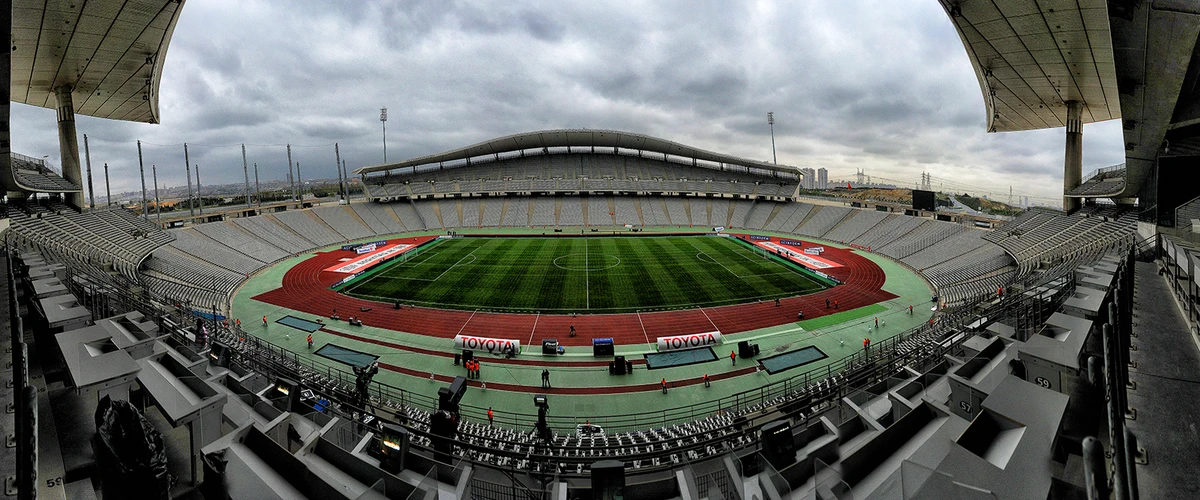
193 242
516 211
470 212
739 211
575 172
278 235
571 212
928 233
110 236
241 241
854 225
944 250
677 212
492 207
653 213
825 218
1041 237
408 215
377 218
305 224
348 226
32 174
893 228
760 212
954 258
625 212
789 217
598 212
543 211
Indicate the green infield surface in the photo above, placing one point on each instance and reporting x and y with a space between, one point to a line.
594 274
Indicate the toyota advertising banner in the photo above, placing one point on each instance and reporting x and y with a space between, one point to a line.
690 341
494 346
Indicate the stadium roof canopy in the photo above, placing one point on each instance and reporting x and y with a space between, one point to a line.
1033 56
578 138
111 53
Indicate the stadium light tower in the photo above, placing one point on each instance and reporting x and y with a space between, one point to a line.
771 122
383 120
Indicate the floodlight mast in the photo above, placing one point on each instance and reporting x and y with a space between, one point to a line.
771 122
383 120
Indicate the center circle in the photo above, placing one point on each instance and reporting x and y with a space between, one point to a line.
586 262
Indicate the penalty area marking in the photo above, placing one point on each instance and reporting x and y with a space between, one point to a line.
448 269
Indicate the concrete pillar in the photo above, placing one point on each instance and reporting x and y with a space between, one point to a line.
157 204
142 173
1073 164
199 193
68 144
87 154
246 174
107 186
7 178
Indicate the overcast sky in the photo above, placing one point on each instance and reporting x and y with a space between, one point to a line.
855 84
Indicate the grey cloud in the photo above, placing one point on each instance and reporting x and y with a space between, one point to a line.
882 86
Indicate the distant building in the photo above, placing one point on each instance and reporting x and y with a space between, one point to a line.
822 178
810 178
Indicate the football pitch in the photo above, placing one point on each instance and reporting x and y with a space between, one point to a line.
584 274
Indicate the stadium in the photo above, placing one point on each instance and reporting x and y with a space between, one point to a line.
588 313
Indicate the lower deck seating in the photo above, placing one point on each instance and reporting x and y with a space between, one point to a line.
207 262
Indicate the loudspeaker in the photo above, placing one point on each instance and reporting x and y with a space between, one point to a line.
608 480
778 444
619 365
467 355
745 350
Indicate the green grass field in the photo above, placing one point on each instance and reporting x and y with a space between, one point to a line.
561 274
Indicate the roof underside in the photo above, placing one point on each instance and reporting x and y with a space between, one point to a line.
1033 56
577 138
110 53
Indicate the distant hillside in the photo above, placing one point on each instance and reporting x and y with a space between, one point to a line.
900 196
987 206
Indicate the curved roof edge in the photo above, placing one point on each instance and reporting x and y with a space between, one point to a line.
111 54
582 138
1032 58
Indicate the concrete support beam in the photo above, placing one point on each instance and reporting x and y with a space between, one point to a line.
68 143
1073 163
6 174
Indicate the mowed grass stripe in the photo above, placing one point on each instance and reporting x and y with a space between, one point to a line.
638 282
548 274
549 293
757 273
472 281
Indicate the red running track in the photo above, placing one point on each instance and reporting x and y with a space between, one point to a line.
306 288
